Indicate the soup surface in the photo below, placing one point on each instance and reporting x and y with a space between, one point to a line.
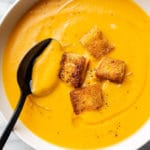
48 112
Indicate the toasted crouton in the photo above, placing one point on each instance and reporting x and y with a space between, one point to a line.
111 69
86 98
95 42
72 70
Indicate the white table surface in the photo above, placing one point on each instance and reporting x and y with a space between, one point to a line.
14 143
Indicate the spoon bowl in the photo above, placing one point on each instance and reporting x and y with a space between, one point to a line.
24 78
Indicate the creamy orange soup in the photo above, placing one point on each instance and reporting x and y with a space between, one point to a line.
48 112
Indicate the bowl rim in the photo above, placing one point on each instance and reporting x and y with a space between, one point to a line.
133 142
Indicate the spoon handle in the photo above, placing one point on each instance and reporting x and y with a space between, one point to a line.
13 120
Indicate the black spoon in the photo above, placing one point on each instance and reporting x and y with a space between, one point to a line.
24 78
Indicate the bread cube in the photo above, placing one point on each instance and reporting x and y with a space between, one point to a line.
96 43
86 98
73 68
111 69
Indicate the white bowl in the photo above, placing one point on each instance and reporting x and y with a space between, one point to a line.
6 25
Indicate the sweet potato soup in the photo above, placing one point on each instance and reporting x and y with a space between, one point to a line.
91 88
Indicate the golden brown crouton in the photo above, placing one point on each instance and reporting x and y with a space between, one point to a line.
111 69
72 70
95 42
86 98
